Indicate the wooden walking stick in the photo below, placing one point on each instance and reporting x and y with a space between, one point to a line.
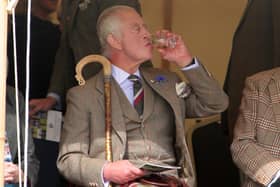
107 91
3 62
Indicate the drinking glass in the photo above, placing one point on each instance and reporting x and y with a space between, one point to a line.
163 41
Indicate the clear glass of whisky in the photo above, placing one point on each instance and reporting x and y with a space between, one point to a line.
163 41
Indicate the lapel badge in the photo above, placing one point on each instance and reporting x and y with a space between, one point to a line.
159 79
84 4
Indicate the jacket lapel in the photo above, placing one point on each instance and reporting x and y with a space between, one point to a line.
149 101
116 114
165 89
128 110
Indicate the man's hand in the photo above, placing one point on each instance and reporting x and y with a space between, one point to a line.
178 52
12 172
121 172
43 104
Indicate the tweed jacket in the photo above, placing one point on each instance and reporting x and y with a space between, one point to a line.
256 144
33 163
81 156
79 39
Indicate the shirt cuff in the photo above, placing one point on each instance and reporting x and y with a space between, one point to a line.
276 177
57 98
105 183
191 66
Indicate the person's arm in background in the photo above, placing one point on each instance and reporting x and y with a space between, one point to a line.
33 162
11 169
62 79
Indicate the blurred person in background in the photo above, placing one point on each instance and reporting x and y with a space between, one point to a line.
11 167
45 37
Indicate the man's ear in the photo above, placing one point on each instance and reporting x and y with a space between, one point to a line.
114 42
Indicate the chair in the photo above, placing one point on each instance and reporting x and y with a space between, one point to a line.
211 157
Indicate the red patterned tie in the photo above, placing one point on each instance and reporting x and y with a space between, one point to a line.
138 92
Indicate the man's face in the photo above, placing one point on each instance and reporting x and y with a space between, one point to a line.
135 38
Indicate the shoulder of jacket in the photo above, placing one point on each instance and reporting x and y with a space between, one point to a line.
91 82
264 78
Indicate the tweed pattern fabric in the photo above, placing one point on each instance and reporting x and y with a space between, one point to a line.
256 145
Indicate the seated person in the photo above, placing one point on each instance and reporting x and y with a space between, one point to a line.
147 113
256 144
11 171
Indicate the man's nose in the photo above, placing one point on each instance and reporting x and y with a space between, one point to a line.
147 33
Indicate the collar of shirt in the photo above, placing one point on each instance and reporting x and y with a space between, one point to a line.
121 78
120 75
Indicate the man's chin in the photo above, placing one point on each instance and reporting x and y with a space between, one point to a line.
149 57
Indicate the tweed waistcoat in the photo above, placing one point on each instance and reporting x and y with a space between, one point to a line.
149 137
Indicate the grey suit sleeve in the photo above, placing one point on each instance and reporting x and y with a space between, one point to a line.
207 97
63 71
33 162
64 67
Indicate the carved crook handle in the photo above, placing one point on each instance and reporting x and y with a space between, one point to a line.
91 59
107 91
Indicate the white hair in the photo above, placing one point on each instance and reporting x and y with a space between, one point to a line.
109 22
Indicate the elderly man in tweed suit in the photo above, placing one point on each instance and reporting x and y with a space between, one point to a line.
154 135
256 144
